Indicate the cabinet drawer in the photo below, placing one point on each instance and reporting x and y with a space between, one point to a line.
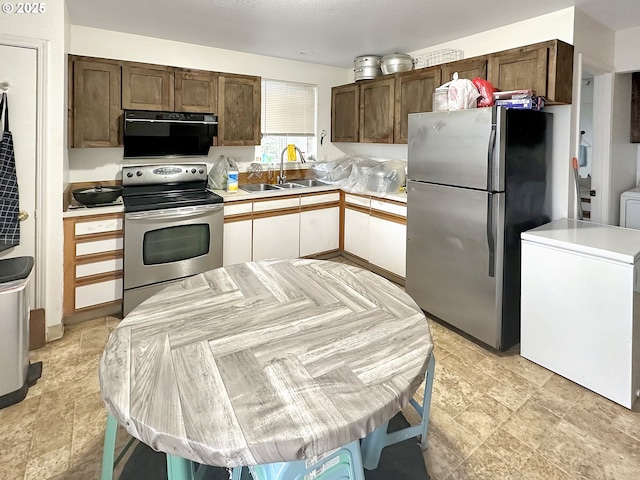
95 268
97 246
98 293
389 207
319 198
356 200
98 226
278 204
238 208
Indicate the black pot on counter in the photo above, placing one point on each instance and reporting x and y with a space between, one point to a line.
97 195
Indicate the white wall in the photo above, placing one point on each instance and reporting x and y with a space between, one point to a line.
626 50
624 154
49 27
105 164
538 29
594 41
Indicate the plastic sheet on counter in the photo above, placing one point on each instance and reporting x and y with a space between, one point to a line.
219 172
360 174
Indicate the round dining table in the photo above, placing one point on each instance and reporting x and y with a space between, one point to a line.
262 362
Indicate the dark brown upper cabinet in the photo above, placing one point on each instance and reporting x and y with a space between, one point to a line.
546 68
377 103
95 103
414 94
238 110
196 91
471 68
345 113
148 87
100 89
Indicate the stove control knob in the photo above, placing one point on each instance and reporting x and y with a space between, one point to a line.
129 174
201 171
193 170
138 173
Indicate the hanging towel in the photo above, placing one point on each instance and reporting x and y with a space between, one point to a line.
9 204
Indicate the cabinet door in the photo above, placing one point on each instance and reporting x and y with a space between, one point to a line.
196 91
345 113
356 233
319 231
238 110
276 237
414 94
469 69
377 102
520 69
96 104
237 242
387 244
147 88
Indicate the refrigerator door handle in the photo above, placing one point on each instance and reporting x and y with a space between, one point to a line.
490 155
491 238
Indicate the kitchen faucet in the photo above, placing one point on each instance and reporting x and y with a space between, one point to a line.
282 177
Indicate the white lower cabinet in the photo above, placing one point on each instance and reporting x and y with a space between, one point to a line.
237 242
100 293
387 245
319 231
356 233
276 236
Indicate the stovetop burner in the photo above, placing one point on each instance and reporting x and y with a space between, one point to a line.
170 200
156 187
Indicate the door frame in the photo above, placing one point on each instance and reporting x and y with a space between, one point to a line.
602 126
41 48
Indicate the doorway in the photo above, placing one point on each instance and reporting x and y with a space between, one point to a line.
594 97
19 66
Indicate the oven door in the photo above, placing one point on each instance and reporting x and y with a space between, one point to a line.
161 245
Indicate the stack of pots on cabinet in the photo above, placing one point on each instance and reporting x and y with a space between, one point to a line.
367 67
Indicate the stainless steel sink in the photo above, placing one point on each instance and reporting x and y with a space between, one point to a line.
257 187
288 185
307 182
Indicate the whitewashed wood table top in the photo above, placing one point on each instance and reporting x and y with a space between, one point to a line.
265 362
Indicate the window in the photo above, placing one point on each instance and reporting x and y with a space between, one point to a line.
288 117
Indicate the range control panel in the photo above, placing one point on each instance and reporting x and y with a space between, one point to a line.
163 174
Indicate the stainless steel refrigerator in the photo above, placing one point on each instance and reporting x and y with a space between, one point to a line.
476 179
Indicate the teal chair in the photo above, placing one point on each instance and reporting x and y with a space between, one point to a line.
373 444
345 463
178 468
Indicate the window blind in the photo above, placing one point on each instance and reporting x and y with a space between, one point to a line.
288 108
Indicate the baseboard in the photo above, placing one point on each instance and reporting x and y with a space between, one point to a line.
54 332
374 268
114 310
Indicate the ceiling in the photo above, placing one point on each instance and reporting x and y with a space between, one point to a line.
328 32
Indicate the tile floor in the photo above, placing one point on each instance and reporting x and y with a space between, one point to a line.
493 416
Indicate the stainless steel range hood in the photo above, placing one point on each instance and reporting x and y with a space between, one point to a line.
150 133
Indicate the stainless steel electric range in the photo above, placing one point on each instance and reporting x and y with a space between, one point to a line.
173 227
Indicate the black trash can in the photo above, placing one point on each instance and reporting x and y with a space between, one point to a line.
17 374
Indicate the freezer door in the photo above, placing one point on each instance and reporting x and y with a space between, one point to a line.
453 148
455 247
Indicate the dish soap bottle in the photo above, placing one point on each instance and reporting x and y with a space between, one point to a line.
232 177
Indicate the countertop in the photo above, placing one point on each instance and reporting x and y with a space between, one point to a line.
604 241
262 362
241 195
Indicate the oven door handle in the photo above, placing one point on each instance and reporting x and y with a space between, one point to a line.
171 213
